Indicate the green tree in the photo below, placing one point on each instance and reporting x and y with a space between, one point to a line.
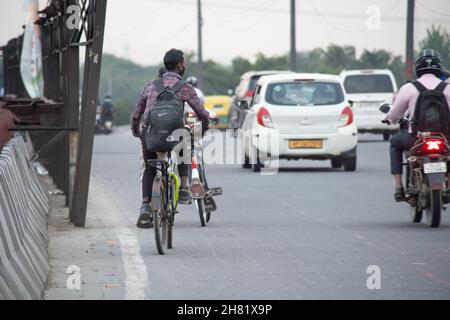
376 59
338 58
438 39
270 63
241 65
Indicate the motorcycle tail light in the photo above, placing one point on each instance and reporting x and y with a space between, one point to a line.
433 146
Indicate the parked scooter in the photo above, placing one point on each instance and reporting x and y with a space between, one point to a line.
426 175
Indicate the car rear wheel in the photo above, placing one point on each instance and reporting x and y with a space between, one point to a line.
349 164
336 163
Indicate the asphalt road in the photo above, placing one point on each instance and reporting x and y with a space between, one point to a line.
308 232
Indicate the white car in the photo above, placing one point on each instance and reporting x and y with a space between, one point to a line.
307 114
368 90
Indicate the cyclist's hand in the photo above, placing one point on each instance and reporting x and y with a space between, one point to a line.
135 131
213 118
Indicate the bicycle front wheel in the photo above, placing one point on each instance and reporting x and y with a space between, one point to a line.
201 202
201 211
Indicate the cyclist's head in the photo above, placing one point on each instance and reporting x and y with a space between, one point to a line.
428 61
108 97
192 80
174 61
161 72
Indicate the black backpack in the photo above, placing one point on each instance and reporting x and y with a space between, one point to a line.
164 117
431 112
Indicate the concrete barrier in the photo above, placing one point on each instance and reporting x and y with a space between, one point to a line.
23 224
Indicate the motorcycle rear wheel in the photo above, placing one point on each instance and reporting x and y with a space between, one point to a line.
434 209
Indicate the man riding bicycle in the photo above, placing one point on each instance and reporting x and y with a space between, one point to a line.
175 64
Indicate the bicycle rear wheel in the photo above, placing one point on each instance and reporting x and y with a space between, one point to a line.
160 221
171 213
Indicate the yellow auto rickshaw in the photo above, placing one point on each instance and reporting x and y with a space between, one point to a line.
221 106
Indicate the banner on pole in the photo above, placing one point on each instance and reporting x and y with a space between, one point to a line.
31 59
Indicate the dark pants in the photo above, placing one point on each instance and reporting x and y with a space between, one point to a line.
150 172
400 142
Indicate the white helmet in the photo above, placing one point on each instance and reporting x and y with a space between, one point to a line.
192 80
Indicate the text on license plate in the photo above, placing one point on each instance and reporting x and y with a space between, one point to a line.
305 144
435 167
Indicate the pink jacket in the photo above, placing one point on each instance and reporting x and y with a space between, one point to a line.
407 97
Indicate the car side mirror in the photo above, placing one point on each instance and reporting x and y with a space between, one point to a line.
351 102
243 104
385 108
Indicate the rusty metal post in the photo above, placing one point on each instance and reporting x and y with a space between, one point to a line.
93 61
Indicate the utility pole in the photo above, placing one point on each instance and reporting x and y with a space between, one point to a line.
293 52
200 45
409 62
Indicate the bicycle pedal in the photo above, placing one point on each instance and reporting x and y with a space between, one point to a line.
216 191
210 204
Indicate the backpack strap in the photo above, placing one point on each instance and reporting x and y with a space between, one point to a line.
441 87
178 86
420 87
159 85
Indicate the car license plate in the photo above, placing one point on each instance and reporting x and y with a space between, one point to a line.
305 144
435 167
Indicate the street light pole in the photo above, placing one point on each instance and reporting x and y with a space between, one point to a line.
409 62
200 44
293 52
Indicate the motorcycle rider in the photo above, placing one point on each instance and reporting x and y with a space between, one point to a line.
107 110
428 69
193 80
175 64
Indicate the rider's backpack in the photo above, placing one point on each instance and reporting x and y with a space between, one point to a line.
431 112
164 117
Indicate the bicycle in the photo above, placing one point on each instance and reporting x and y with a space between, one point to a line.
202 194
164 200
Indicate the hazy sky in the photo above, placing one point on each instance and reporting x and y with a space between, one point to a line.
144 30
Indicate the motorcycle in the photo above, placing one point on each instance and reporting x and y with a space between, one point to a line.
103 127
426 174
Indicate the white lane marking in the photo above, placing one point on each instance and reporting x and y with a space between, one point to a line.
133 263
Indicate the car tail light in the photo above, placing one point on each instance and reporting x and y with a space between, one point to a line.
264 118
433 146
249 93
346 117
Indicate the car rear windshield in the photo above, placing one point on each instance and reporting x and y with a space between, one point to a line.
304 93
368 83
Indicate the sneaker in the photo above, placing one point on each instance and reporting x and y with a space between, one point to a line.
145 217
399 194
184 196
